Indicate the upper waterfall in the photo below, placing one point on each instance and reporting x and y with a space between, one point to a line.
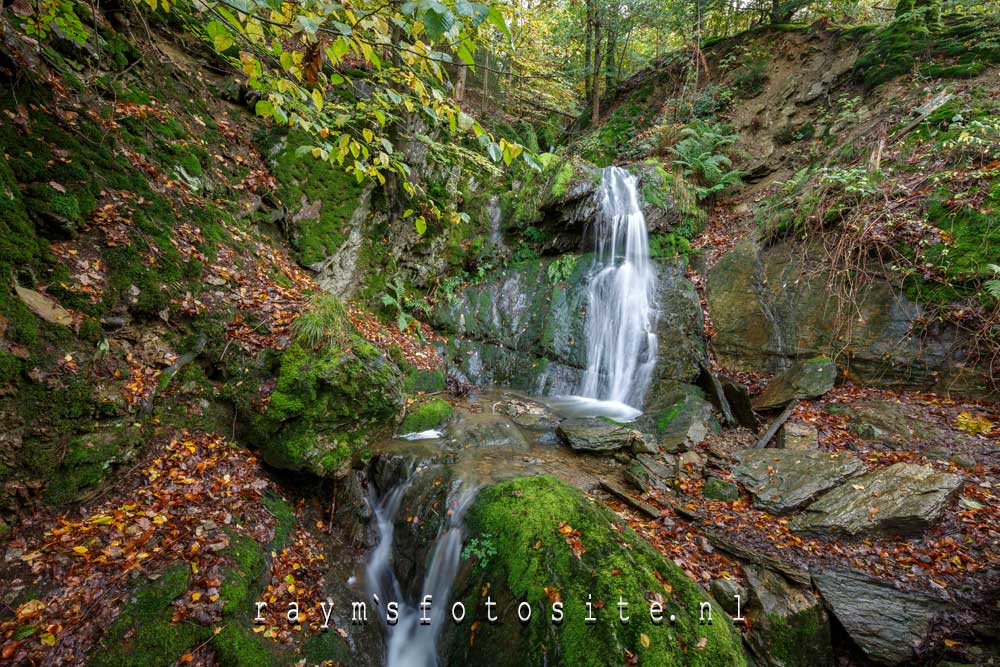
621 314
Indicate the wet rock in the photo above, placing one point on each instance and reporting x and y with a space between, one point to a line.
643 445
591 434
716 393
551 543
725 590
719 489
782 480
798 435
789 627
889 625
807 379
902 499
485 430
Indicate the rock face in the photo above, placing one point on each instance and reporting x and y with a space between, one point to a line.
789 627
807 379
888 625
683 423
551 543
903 499
782 480
797 435
596 435
771 306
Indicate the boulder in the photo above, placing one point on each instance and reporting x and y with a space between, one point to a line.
592 434
725 591
807 379
902 499
690 465
798 435
719 489
788 625
485 430
550 543
889 625
683 423
783 480
739 402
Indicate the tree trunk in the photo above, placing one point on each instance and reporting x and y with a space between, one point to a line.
463 71
586 50
595 113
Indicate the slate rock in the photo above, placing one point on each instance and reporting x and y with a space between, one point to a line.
594 435
806 379
788 625
889 625
798 435
902 499
783 480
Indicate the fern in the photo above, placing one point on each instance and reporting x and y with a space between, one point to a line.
992 286
701 154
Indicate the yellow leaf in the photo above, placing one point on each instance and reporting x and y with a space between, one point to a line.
368 134
196 596
80 550
950 643
101 520
317 98
159 518
644 640
47 638
30 609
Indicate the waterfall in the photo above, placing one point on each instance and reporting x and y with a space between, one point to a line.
411 643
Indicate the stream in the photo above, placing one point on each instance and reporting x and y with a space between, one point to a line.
499 435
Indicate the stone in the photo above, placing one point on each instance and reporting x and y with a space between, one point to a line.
716 393
720 489
783 480
593 434
650 473
889 625
685 423
725 590
902 499
770 305
643 445
485 430
788 624
739 402
798 435
963 461
43 306
807 379
690 465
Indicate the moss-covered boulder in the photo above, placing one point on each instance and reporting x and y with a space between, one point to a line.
326 406
541 541
807 379
789 627
427 415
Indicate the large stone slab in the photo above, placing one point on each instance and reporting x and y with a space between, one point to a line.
902 499
591 434
782 480
807 379
889 625
788 625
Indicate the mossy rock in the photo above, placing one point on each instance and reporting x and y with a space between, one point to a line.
89 459
529 523
143 634
719 489
424 381
326 405
425 416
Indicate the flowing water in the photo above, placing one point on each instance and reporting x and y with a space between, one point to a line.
621 354
621 310
412 643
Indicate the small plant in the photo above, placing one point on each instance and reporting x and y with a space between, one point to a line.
482 549
976 140
395 298
325 321
992 286
562 268
700 154
751 76
856 181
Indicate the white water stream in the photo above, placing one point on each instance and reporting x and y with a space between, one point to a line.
621 311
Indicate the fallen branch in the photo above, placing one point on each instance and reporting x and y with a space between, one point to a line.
616 490
775 425
749 555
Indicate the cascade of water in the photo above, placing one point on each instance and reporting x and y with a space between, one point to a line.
621 313
412 643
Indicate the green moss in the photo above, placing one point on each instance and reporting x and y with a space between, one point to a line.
717 489
143 634
799 640
561 180
305 176
88 460
248 561
10 367
527 522
425 416
237 647
664 419
423 381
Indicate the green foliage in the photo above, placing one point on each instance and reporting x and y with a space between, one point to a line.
992 286
324 322
482 549
856 182
402 305
562 268
699 154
